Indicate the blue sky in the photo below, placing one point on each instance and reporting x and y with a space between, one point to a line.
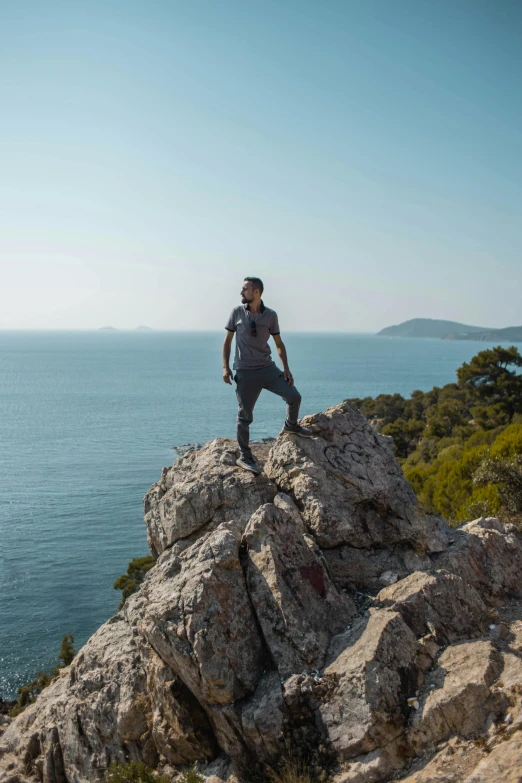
364 158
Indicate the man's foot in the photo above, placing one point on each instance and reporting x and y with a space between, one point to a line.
297 429
249 463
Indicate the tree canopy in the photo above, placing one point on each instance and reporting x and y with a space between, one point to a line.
443 436
493 384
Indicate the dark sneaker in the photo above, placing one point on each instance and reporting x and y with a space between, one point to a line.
304 432
249 463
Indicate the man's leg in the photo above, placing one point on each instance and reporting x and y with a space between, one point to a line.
248 389
276 383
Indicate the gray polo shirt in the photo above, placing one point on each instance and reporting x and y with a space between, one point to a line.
252 352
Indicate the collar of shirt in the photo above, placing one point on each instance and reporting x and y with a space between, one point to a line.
262 308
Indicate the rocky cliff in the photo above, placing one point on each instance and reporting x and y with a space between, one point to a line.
313 610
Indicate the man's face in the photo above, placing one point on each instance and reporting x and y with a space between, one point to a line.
247 293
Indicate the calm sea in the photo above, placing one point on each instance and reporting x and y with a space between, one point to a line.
88 420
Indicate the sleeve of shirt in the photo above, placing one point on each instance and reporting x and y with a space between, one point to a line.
274 324
230 325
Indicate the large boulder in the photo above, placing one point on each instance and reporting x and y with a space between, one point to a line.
349 486
488 557
375 668
195 611
93 714
296 603
458 695
203 489
439 603
179 726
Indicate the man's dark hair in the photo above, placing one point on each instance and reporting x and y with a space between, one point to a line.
256 282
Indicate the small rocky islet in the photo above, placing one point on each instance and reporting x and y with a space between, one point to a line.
314 611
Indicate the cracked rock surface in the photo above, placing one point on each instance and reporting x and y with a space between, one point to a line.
312 610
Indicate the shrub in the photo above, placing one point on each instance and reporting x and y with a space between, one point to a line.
442 436
28 693
130 582
67 651
506 475
133 772
292 770
191 775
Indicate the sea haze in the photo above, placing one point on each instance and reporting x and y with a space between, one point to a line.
88 420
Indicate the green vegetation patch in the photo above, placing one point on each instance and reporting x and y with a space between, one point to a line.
130 582
133 772
460 445
28 693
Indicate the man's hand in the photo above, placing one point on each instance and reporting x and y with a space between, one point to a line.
281 350
227 375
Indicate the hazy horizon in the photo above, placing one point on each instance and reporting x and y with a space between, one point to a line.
145 329
363 159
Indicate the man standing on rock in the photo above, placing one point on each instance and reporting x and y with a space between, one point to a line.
253 323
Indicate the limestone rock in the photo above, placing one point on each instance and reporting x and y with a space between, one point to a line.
375 666
200 488
263 718
219 771
374 766
349 486
83 721
487 559
297 606
504 764
486 523
180 728
375 568
452 764
195 612
462 698
440 603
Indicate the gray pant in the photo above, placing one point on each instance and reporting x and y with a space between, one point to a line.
249 384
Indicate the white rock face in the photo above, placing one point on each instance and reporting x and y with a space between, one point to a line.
202 489
373 664
296 603
461 697
251 634
350 487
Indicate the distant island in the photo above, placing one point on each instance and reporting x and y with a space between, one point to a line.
451 330
114 329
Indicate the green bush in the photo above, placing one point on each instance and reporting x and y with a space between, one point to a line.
67 651
508 442
133 772
191 775
28 693
130 582
443 436
505 476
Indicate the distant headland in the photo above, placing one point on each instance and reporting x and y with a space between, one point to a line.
451 330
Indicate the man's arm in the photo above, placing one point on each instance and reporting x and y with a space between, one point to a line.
227 372
281 350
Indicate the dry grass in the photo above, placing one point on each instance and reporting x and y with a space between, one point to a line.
292 770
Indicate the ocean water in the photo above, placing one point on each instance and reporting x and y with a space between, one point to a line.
88 420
